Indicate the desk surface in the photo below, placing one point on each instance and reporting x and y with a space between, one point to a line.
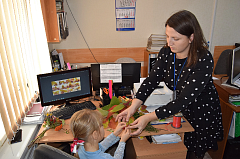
61 136
225 91
230 90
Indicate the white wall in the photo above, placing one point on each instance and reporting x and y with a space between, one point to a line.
96 19
227 23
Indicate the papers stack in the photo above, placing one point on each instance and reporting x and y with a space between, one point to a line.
234 99
36 114
33 119
156 42
166 139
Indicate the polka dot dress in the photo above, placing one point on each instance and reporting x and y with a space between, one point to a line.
197 98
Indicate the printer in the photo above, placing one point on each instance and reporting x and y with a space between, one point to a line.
159 97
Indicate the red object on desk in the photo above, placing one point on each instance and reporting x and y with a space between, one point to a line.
110 88
176 121
35 110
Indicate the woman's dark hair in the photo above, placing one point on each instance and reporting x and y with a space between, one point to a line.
185 23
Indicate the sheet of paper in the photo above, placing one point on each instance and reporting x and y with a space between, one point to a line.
125 3
125 13
110 72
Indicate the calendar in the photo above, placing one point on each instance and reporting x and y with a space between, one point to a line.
125 15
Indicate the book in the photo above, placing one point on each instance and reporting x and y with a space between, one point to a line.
36 110
236 103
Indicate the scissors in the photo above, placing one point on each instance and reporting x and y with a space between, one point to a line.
105 90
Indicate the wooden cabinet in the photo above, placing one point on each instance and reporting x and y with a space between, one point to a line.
143 149
50 20
147 56
227 112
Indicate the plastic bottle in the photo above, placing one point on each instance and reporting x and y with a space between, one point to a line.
56 66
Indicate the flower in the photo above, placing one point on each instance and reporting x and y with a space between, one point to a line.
50 122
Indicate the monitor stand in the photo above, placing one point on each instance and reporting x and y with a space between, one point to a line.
67 104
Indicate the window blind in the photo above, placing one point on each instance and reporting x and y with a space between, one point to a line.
23 54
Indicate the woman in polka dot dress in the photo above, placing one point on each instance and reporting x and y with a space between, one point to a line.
185 65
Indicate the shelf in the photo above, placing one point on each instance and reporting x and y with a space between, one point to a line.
50 20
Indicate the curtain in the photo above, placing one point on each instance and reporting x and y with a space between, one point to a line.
23 54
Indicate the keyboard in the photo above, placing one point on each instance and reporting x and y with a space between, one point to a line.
67 112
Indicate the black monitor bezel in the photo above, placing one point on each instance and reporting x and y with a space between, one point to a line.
233 65
99 85
61 101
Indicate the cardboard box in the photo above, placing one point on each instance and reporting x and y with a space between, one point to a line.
143 149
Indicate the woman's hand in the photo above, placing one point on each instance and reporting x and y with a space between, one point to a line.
126 114
141 122
120 127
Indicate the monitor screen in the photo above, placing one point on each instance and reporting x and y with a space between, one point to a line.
131 73
235 64
64 86
234 67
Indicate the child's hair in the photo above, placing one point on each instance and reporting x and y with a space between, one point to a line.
84 122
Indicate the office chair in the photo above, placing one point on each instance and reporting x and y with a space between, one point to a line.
125 60
49 152
222 66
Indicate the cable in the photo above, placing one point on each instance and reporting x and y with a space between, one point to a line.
81 32
222 78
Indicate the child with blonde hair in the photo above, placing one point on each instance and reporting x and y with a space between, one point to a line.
87 125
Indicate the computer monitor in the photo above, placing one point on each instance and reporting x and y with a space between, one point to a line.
234 66
131 73
64 86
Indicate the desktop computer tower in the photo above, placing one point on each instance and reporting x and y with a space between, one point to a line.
232 148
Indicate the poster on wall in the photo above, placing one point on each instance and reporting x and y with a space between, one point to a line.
125 15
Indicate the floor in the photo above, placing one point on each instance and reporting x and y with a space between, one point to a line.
207 156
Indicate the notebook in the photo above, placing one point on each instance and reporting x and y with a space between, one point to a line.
35 110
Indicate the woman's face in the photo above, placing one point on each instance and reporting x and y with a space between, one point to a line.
178 43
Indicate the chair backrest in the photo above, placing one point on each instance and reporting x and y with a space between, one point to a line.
48 152
125 60
222 66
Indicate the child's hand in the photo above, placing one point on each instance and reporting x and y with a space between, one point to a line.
125 135
119 128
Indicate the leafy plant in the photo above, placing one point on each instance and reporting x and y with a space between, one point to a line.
116 106
110 111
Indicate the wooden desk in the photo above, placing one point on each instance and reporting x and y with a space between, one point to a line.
227 112
59 136
135 148
142 149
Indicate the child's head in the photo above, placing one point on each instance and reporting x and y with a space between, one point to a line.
84 122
